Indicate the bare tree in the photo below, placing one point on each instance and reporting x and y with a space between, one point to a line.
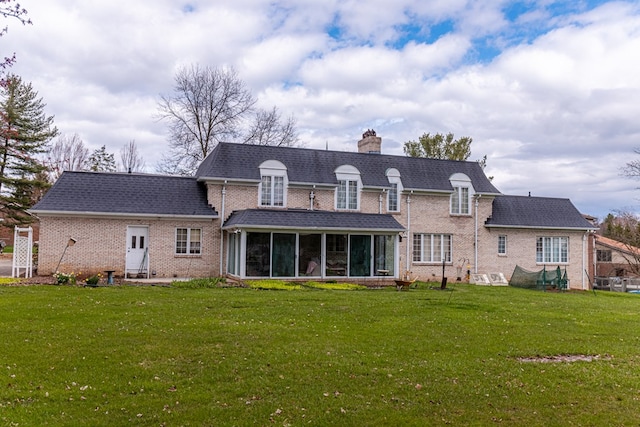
268 129
68 153
207 106
632 168
10 10
130 158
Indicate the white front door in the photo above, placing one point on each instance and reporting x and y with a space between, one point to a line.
137 250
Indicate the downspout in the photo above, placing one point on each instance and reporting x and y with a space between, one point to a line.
408 238
594 257
475 237
584 258
380 202
224 193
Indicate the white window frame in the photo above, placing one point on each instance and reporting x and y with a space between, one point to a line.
348 183
431 248
460 202
190 248
272 186
393 175
274 175
502 244
552 250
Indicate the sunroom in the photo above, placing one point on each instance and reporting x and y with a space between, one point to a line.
264 243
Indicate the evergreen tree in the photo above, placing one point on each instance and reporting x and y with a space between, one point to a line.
25 130
101 161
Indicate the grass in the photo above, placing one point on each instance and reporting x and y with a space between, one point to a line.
238 356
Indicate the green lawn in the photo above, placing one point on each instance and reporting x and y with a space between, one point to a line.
166 356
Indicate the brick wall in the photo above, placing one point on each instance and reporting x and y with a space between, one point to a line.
521 250
101 245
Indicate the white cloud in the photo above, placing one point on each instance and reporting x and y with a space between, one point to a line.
556 111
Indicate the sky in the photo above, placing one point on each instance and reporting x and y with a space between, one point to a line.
548 90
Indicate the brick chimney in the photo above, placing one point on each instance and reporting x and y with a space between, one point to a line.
370 143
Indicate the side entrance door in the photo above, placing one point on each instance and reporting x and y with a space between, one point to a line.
137 262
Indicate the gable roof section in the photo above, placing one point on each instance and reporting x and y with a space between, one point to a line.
536 212
93 193
230 161
315 220
617 245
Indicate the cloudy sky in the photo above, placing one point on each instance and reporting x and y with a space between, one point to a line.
548 90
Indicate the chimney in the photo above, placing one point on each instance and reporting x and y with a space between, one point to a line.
370 143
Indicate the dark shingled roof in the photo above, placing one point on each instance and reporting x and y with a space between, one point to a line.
536 212
306 219
123 193
242 162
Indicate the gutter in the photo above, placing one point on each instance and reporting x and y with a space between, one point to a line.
120 215
222 202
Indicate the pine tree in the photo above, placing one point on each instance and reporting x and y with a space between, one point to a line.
101 161
25 131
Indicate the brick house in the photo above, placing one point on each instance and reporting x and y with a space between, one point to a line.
615 259
259 211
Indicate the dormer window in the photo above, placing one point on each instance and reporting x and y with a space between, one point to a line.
273 184
272 191
461 195
348 190
393 195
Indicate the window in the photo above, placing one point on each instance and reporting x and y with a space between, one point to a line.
272 191
393 195
392 200
273 184
461 196
188 241
552 250
348 189
502 245
348 194
460 201
233 263
273 254
384 255
603 255
432 247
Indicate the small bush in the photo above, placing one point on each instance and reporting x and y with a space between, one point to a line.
9 280
65 278
93 280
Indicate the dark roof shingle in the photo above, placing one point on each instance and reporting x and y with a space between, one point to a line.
242 162
123 193
306 219
536 212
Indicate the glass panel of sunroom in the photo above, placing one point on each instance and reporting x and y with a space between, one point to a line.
383 254
360 256
336 255
232 264
258 254
284 255
309 250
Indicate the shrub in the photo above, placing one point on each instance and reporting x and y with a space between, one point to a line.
65 278
93 280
